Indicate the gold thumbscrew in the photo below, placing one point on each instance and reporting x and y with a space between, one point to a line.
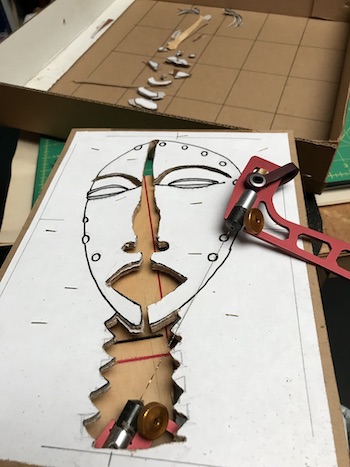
253 221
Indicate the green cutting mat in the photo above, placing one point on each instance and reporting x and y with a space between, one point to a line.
49 151
339 172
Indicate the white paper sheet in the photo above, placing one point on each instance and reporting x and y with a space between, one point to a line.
253 384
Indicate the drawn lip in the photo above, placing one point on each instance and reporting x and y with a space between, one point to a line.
123 271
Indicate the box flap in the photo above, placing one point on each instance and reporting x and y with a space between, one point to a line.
55 115
343 97
337 10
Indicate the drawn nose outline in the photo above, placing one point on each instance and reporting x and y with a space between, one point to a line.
146 285
143 285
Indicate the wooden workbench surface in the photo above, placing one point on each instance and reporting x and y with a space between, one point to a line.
336 220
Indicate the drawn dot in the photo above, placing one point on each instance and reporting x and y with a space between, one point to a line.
222 163
162 144
184 147
223 238
204 153
86 239
85 220
235 181
213 257
96 257
137 148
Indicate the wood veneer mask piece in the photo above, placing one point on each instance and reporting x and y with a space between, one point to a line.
202 20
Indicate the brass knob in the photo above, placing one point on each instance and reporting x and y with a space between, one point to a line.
253 221
152 420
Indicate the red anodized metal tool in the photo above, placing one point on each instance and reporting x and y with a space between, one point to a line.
257 185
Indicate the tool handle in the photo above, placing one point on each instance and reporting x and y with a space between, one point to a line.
295 233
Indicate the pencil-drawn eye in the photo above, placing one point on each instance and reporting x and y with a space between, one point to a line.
111 184
106 191
193 183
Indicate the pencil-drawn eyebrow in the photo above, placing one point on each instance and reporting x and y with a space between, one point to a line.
101 190
132 179
182 167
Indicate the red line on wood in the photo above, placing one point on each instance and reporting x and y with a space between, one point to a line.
149 213
160 286
144 357
152 233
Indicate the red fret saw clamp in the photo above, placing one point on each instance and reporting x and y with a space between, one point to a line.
257 185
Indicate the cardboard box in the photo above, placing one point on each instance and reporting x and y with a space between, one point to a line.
286 67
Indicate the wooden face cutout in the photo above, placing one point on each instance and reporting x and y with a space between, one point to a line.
190 185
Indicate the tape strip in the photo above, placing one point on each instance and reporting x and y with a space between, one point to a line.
139 442
100 441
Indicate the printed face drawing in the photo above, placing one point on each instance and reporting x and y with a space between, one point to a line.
192 187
